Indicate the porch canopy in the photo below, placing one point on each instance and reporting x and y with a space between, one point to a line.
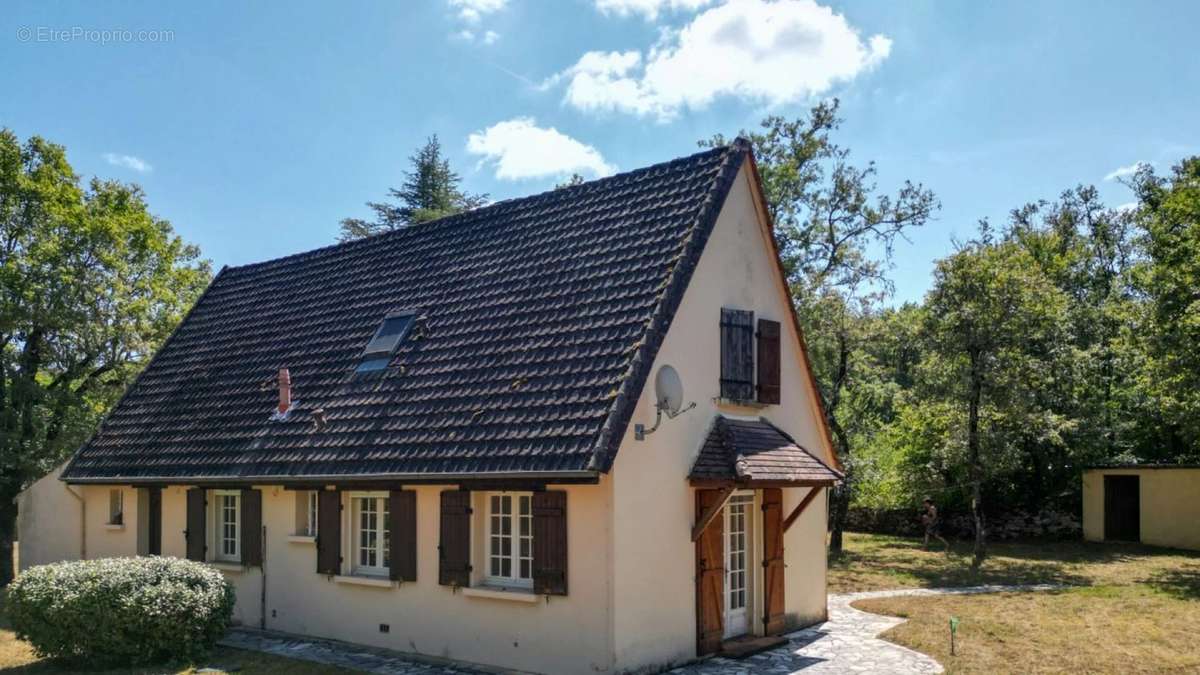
755 453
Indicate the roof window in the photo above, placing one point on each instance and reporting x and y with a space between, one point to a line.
379 350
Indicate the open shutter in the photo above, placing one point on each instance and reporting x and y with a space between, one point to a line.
550 542
197 528
768 361
252 553
454 547
737 355
403 526
773 570
329 532
710 577
154 521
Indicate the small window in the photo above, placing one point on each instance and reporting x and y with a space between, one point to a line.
372 540
116 507
379 350
228 525
306 513
510 540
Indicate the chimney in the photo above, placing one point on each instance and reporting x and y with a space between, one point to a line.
285 390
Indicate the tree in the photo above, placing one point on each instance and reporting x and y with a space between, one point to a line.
574 180
1169 216
829 224
430 191
90 284
993 321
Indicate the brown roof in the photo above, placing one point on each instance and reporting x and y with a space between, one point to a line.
539 319
755 451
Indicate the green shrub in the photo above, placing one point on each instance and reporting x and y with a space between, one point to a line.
121 611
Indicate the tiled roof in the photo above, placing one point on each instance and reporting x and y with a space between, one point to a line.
751 451
540 318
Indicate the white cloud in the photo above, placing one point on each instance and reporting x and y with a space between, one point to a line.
649 9
1128 206
520 149
128 162
473 10
775 52
1124 171
490 37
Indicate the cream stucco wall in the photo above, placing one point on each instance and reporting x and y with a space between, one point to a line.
654 507
48 522
568 634
1169 504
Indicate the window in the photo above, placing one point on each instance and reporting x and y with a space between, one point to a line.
379 350
116 507
306 513
510 540
372 540
228 525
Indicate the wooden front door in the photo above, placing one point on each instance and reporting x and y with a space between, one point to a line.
1122 508
710 578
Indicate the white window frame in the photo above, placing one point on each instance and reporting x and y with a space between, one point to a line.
311 512
515 536
380 566
116 507
220 511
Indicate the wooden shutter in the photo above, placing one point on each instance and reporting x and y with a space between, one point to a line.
197 529
768 361
251 534
454 546
403 526
737 355
710 578
550 542
773 569
154 520
329 532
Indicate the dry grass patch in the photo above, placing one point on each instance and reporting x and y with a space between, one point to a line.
1098 629
875 562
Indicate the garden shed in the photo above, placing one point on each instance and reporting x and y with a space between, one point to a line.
1156 504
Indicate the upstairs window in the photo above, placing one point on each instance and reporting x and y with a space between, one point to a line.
379 350
737 355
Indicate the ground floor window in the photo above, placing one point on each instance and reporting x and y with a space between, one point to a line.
228 525
116 507
306 513
372 540
510 539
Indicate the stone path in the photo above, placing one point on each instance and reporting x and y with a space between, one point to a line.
847 643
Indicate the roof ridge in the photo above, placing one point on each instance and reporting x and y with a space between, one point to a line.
485 211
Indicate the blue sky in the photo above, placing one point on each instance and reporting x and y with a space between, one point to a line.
254 128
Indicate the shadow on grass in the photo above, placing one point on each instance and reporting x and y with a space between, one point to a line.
1182 583
907 563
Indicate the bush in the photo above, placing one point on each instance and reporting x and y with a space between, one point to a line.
121 611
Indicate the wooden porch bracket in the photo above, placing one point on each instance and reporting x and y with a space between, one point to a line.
795 514
711 512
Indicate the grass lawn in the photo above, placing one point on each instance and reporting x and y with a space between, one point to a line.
1134 608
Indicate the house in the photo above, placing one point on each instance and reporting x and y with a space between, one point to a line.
449 439
1156 504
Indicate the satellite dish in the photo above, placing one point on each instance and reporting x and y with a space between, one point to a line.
668 390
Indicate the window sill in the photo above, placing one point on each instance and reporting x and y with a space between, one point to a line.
115 527
363 580
227 566
301 539
736 403
500 593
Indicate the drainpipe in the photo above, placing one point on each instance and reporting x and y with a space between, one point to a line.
82 521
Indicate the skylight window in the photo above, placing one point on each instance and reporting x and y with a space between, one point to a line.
381 347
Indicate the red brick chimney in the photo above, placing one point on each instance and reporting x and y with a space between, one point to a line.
285 390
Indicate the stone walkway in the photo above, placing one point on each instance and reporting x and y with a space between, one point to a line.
847 643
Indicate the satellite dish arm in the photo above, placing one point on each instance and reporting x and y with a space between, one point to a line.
640 431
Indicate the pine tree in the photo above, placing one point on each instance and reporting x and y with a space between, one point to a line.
430 191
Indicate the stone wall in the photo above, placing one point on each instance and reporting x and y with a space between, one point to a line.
958 524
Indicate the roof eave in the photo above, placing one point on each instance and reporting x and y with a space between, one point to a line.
335 479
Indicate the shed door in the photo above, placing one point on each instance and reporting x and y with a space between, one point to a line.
1122 508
